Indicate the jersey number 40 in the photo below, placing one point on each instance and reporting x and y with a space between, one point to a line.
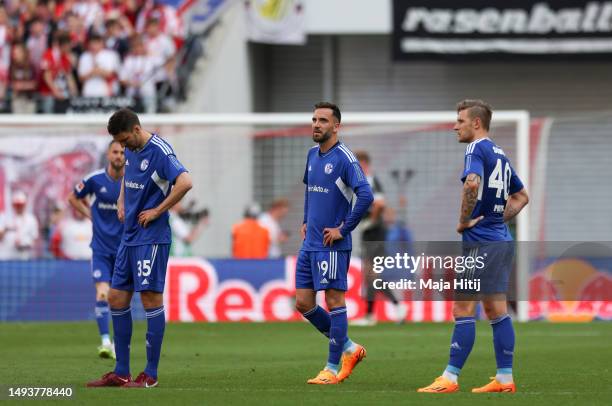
500 179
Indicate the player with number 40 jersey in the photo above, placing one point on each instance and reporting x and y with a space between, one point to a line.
492 195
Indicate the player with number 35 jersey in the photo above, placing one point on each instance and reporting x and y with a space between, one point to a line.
154 181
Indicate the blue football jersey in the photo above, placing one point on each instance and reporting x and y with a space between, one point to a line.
103 193
330 180
498 181
149 176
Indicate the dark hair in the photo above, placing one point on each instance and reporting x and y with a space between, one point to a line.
62 38
332 106
110 144
152 21
122 120
477 108
362 156
110 22
95 37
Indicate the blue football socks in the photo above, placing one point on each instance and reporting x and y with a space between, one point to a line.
318 317
503 342
337 336
122 328
462 342
102 318
156 324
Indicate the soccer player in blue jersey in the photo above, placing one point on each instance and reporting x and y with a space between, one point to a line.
332 178
96 198
154 181
492 195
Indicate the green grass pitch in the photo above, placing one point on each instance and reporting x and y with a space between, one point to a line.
555 364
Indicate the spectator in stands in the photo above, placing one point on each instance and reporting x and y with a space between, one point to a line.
250 240
43 11
22 81
169 21
56 215
98 69
57 83
71 237
162 49
18 230
137 75
73 24
91 13
271 221
36 42
115 37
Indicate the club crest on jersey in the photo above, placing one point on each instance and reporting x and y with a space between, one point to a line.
329 168
144 165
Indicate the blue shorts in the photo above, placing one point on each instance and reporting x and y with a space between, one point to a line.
492 266
322 270
102 267
141 267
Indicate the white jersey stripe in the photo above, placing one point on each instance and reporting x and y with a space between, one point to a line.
94 173
153 255
349 151
164 142
161 146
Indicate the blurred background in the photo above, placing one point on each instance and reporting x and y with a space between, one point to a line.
230 84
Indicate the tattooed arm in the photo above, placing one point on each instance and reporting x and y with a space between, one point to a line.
468 202
515 204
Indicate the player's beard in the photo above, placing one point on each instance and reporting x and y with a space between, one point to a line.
321 139
117 167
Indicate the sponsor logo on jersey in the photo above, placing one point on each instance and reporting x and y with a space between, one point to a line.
103 189
329 168
144 165
318 189
107 206
134 185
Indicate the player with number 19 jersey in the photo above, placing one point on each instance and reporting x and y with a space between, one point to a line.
498 181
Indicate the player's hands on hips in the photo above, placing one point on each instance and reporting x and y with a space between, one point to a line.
147 216
330 235
461 227
303 231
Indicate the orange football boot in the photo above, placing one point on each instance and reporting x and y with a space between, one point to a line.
495 386
350 361
325 377
440 385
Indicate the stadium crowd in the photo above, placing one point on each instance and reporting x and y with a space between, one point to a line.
55 51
